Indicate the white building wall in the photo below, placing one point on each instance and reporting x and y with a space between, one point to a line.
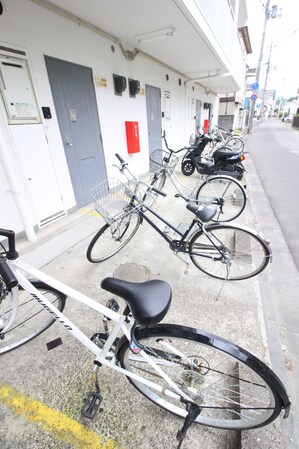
37 31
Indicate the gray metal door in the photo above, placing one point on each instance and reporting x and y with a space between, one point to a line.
76 108
154 122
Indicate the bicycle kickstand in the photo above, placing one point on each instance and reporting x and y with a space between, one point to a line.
93 401
193 412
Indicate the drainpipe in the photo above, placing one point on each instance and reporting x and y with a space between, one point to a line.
206 78
14 184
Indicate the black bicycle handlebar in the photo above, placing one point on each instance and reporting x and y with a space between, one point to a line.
121 160
11 253
124 163
160 192
5 271
169 149
7 275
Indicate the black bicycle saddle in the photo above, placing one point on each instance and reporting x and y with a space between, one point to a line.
205 212
148 301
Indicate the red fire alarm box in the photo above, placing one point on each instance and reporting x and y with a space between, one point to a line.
206 126
132 134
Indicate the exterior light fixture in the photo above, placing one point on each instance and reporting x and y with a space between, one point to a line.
155 35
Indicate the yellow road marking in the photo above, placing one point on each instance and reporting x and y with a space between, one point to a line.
58 424
90 212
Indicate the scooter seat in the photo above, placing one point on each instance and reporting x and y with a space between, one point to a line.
225 151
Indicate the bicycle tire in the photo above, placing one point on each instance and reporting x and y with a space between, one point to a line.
158 182
244 253
225 192
32 319
109 240
235 143
234 389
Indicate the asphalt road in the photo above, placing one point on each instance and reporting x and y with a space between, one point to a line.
273 148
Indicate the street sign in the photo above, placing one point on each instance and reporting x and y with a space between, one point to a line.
253 97
255 86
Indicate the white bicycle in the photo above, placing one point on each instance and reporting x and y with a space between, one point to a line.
189 372
228 138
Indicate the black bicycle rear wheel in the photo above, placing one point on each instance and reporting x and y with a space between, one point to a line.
224 192
229 252
110 239
32 319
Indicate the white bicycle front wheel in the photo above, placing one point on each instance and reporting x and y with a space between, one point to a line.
31 319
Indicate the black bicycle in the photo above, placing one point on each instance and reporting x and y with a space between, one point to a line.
221 250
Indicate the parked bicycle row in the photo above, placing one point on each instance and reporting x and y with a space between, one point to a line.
224 251
191 373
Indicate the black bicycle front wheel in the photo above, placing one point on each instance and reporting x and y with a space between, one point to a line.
110 239
32 319
229 252
224 192
233 388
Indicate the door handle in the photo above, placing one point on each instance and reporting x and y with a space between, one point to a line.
68 143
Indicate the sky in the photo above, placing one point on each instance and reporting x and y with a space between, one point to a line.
283 34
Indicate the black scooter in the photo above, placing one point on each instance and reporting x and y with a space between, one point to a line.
223 161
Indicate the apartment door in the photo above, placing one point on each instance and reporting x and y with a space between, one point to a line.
75 102
154 121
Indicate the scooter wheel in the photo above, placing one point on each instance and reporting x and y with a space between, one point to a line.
187 167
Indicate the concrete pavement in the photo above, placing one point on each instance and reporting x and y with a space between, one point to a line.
61 378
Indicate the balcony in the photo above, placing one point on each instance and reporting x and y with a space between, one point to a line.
196 38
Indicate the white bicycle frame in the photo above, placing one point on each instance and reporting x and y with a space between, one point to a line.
102 355
176 182
225 136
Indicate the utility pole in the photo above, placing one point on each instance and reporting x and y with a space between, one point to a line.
259 65
266 80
